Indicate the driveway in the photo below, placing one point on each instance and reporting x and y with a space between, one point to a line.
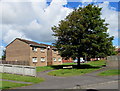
86 80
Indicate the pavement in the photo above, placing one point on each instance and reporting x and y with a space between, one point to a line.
87 81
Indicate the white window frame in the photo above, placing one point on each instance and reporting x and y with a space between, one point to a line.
42 49
59 59
41 59
34 59
34 49
54 59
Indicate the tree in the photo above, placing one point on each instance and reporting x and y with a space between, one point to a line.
83 33
4 55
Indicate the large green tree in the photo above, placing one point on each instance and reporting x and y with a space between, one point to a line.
83 33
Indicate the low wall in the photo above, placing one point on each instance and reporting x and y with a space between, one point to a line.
18 69
113 61
20 62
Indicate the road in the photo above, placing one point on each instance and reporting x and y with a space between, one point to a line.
89 80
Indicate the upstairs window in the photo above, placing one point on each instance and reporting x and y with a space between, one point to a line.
55 51
34 48
54 59
59 59
42 49
34 59
42 59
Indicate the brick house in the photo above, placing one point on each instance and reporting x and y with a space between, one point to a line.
70 60
34 53
118 51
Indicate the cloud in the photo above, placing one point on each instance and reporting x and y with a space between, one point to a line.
83 1
32 20
111 17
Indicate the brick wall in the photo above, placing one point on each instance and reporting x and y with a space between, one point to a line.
57 56
17 51
38 54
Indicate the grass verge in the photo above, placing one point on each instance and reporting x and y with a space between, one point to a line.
21 78
44 68
69 63
109 72
71 72
83 69
97 63
7 84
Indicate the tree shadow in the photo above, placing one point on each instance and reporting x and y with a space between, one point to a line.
82 66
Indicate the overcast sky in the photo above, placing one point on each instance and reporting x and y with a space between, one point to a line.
33 20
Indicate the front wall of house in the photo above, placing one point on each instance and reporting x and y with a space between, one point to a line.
17 51
57 56
38 54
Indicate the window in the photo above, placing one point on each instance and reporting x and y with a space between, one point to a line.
54 59
34 48
55 51
42 49
42 59
59 59
34 59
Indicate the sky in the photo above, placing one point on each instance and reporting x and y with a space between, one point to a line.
33 19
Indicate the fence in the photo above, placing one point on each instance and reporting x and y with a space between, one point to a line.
18 69
15 62
113 61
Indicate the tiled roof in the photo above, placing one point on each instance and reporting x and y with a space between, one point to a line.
118 49
44 44
34 43
29 42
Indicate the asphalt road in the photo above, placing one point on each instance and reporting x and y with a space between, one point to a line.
84 81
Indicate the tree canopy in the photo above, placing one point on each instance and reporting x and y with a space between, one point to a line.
83 33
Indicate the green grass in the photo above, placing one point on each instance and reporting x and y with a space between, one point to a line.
109 72
69 63
21 78
71 72
91 64
83 69
97 63
7 84
44 68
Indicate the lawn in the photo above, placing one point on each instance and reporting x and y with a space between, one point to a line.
83 69
71 72
91 63
21 78
7 84
44 68
69 63
109 72
97 63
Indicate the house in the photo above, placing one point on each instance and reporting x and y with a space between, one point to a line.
118 51
33 53
70 60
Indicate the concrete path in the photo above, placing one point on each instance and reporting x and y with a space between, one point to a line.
105 85
53 82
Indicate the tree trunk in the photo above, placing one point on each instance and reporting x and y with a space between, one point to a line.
78 62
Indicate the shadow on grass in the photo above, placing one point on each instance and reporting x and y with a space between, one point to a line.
82 66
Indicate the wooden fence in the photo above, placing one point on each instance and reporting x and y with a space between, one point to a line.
18 69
